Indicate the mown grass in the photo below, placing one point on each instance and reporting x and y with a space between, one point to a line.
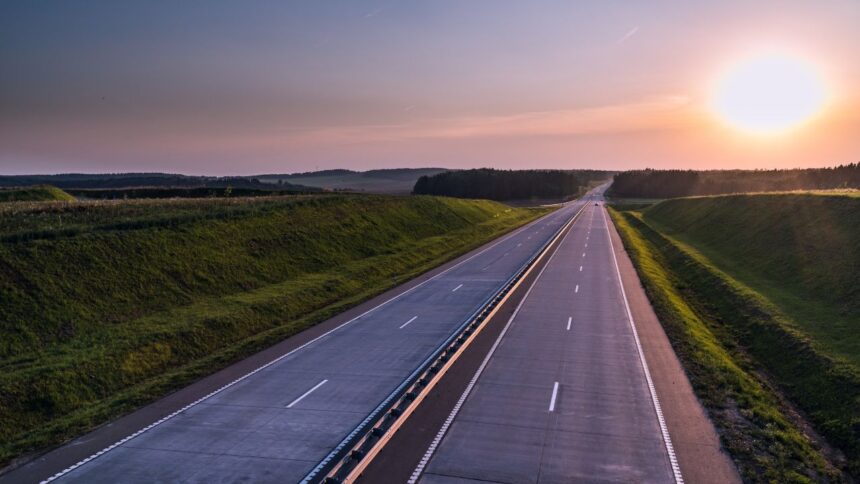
109 305
34 193
716 325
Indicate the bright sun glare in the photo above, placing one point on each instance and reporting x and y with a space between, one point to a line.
769 94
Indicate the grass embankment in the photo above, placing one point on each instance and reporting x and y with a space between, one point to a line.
108 305
758 294
34 194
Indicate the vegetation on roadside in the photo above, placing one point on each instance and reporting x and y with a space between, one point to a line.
108 305
683 183
34 194
758 294
493 184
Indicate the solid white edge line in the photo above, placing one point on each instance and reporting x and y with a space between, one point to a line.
419 469
276 360
552 399
664 430
407 322
306 394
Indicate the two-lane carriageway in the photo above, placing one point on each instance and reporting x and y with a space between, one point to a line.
565 394
278 422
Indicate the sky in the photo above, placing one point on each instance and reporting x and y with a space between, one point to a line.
245 87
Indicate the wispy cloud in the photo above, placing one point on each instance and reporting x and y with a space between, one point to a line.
374 13
653 113
625 37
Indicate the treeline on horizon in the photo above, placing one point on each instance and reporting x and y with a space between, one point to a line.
137 180
650 183
494 184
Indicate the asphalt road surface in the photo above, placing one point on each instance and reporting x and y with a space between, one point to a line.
277 423
565 394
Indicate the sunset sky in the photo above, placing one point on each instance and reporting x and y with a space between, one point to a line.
204 87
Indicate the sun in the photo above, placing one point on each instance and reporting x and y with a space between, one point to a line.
769 94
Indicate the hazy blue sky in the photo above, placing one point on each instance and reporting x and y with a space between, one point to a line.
246 87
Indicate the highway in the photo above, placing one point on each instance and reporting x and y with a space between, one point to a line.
278 422
564 395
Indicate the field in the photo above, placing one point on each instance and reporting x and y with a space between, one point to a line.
180 192
33 194
759 294
108 305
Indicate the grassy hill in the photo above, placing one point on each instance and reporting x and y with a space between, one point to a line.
110 304
801 252
761 297
34 194
393 181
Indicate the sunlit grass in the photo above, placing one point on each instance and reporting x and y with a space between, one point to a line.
686 292
108 305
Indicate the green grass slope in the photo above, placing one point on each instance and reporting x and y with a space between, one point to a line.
758 294
34 194
108 305
800 251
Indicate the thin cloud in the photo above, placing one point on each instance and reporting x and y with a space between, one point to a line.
630 33
651 113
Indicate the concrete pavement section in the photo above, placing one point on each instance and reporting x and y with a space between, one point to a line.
277 422
565 396
697 445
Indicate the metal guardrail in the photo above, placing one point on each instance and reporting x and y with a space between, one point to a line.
338 464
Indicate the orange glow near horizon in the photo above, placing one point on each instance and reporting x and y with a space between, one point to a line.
298 86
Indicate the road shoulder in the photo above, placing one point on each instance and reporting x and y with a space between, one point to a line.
697 445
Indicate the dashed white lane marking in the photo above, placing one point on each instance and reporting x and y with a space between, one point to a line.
580 268
519 244
455 289
569 320
306 394
664 430
407 322
451 416
586 245
554 395
521 230
583 254
576 289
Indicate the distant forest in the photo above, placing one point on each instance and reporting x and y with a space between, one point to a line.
500 184
136 180
683 183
